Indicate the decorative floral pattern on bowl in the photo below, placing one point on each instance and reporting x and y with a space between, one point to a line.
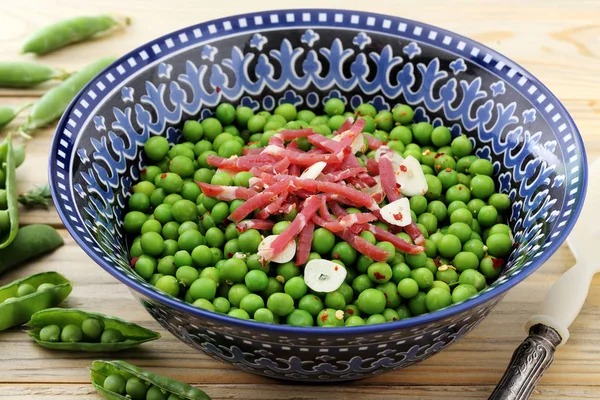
305 57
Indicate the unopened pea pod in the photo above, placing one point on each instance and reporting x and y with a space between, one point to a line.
48 289
53 104
7 114
102 369
131 335
69 31
31 241
8 233
25 74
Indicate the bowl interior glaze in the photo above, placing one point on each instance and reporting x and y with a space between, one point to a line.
305 57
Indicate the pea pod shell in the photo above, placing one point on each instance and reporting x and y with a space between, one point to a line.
31 241
133 333
19 311
25 74
69 31
101 369
11 194
53 103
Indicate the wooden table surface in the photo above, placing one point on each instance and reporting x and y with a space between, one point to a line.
558 41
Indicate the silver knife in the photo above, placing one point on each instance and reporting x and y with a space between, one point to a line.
549 329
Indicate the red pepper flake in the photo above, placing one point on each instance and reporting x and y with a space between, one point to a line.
379 276
403 168
448 169
385 295
497 262
460 188
335 268
324 317
437 261
397 217
438 155
394 319
133 261
438 167
229 255
163 176
218 89
336 256
144 171
350 311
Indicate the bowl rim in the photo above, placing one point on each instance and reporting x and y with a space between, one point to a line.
428 318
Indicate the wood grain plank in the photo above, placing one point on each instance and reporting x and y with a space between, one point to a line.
276 391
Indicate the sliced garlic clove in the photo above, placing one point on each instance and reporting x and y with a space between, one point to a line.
397 212
314 170
411 178
265 252
358 144
324 275
384 151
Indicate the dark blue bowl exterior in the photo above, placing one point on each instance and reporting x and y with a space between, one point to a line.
305 57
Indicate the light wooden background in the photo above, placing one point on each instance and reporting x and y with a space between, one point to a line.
558 41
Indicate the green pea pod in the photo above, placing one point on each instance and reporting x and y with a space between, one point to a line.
53 103
31 241
101 369
7 114
25 74
7 236
18 310
133 334
69 31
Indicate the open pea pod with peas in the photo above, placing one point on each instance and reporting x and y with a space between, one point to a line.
20 299
118 380
77 330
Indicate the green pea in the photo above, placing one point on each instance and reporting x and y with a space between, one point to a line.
71 334
418 304
437 298
135 388
264 315
300 318
499 245
344 252
115 383
156 148
334 106
25 289
472 277
490 267
212 127
500 201
403 114
222 305
487 216
92 329
330 317
257 281
481 166
461 146
50 333
323 241
311 303
168 284
287 111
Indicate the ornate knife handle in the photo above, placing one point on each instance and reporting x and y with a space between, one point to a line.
529 362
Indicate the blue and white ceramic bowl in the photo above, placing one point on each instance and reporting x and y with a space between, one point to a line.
305 57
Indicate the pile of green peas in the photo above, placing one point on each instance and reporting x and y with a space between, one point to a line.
26 289
91 331
136 389
182 242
